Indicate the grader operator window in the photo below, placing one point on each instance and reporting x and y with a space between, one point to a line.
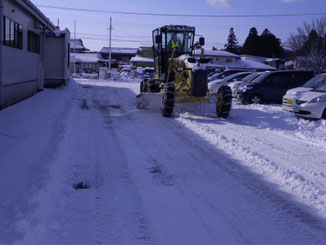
181 41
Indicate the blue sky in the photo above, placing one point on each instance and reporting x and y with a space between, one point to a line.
133 30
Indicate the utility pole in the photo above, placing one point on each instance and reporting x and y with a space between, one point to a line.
75 47
110 53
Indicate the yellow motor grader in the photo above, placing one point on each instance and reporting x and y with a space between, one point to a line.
179 78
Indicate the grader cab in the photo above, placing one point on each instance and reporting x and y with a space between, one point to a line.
179 78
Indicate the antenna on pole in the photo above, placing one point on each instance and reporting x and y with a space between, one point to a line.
110 53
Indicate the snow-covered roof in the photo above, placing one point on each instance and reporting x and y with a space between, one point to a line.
258 58
142 59
215 53
85 57
178 28
273 59
77 44
120 50
254 65
244 64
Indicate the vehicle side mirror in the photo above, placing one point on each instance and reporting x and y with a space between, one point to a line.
201 41
158 39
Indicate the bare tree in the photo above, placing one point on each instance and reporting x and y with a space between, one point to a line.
309 44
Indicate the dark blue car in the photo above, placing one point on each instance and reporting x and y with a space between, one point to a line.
270 87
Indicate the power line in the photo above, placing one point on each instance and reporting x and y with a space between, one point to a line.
183 15
103 35
116 40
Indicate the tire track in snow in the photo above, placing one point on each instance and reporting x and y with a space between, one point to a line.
265 166
286 211
228 166
120 217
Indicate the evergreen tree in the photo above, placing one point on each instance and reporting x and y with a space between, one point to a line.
251 43
269 45
232 45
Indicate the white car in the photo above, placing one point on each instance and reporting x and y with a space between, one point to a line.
213 86
290 96
311 104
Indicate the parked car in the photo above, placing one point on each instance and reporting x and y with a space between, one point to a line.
311 104
270 87
291 94
221 75
236 84
213 86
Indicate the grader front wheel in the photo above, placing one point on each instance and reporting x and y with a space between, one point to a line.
224 102
168 100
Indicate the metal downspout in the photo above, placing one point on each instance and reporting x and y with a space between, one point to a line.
41 86
1 54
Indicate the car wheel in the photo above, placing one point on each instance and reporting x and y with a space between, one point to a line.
324 114
255 99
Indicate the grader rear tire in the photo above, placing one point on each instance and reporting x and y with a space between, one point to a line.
168 100
224 101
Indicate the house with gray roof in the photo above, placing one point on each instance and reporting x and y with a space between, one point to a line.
77 46
118 55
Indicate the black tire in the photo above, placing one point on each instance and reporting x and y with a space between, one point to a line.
153 87
324 114
168 100
256 99
224 101
142 87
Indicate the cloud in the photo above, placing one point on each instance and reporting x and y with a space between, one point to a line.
222 3
291 1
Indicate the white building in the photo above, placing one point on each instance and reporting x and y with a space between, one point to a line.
86 62
34 53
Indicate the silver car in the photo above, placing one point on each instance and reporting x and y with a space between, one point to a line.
291 94
311 104
214 86
236 84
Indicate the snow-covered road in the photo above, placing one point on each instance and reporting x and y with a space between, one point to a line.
258 177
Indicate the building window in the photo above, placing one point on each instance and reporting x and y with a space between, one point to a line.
228 60
33 42
12 33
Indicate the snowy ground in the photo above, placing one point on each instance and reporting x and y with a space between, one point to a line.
258 177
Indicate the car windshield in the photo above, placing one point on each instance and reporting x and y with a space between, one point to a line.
233 76
316 81
321 88
260 78
251 77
